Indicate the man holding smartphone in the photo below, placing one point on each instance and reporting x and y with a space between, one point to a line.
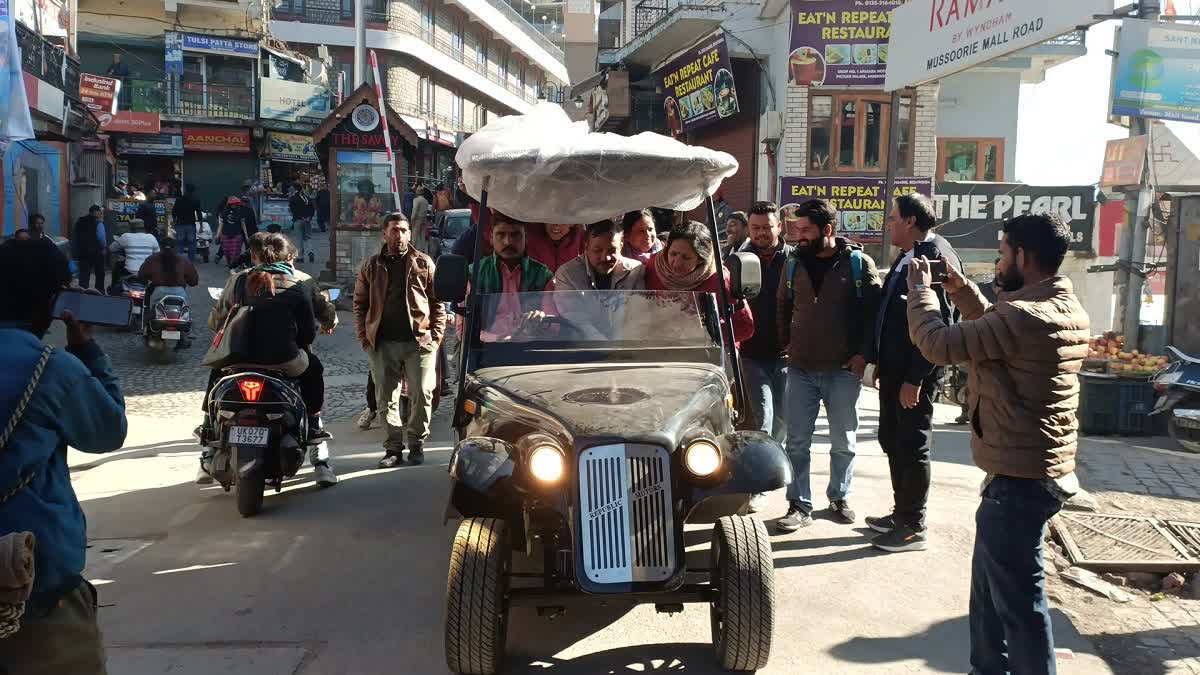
906 380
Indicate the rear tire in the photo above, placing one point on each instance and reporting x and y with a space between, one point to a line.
250 490
477 597
1184 437
743 617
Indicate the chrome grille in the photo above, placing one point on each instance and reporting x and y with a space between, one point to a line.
628 529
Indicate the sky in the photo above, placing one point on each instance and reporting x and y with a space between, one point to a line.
1063 124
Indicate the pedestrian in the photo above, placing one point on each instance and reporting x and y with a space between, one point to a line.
187 212
238 224
764 357
1025 354
406 200
88 244
323 208
721 209
737 230
826 304
399 324
907 381
37 232
420 218
116 69
147 212
303 209
49 399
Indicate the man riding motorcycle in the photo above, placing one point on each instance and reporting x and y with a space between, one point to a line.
131 250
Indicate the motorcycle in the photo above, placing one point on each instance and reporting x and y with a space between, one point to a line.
257 433
166 324
134 288
1179 387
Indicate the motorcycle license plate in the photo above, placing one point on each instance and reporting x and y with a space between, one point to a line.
174 335
248 436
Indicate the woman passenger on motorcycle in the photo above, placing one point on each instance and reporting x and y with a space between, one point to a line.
688 263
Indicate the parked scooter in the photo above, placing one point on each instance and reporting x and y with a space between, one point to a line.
1179 386
167 325
257 434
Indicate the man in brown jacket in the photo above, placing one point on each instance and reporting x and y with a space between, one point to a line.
1025 353
400 325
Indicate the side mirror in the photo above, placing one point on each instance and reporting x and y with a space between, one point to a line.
450 278
745 274
215 293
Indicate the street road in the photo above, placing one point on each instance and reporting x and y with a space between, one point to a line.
351 579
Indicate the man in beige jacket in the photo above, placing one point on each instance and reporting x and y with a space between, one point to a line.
1025 353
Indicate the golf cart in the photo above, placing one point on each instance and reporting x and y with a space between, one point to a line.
592 429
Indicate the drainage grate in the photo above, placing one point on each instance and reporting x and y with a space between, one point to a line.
1188 533
1104 542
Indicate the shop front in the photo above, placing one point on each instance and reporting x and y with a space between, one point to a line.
149 162
217 160
211 78
351 143
289 112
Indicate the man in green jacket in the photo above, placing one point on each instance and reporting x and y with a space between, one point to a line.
509 272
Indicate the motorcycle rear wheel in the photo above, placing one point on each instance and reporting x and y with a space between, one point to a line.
250 488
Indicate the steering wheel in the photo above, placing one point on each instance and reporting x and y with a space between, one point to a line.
565 324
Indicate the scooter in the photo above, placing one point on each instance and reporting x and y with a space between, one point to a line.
1179 386
134 288
167 324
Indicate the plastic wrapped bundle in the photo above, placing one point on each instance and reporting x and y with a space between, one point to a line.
543 168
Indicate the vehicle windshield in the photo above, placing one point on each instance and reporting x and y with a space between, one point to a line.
597 326
455 225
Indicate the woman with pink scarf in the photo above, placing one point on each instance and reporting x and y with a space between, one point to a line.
641 241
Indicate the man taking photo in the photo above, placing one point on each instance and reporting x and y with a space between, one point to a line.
1025 353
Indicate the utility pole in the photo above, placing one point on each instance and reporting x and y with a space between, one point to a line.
1131 275
360 43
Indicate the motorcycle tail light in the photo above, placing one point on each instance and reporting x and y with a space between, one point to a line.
251 389
137 295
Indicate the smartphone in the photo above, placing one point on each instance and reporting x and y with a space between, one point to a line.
937 267
98 310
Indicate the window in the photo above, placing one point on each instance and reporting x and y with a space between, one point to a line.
481 52
456 109
971 159
848 133
502 63
425 96
456 39
427 16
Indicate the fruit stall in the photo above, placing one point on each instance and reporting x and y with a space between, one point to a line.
1117 394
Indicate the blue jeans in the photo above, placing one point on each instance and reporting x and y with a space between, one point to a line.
1010 619
305 227
766 382
806 390
185 240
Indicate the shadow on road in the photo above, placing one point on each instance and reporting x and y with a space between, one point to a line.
693 658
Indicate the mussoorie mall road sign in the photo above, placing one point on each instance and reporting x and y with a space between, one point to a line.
934 38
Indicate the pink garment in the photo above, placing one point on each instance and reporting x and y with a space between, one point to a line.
643 258
508 310
553 254
743 318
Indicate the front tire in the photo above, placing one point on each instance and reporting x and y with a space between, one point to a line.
249 490
743 616
477 597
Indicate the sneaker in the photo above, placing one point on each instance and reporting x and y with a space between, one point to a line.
901 539
881 525
366 419
203 477
758 502
416 456
325 475
841 512
795 519
391 460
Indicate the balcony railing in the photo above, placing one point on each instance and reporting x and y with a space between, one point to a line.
444 122
1074 39
47 61
647 13
191 99
529 29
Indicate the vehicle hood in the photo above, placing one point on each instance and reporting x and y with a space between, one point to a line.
626 400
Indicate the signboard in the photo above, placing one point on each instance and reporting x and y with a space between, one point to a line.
1124 161
131 122
203 139
293 101
291 148
971 214
859 201
1157 71
173 44
166 145
698 86
98 93
119 212
931 39
351 134
840 42
213 44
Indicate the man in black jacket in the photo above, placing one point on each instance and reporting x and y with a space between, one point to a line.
764 358
906 380
88 245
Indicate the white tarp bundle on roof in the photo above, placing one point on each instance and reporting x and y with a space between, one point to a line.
543 168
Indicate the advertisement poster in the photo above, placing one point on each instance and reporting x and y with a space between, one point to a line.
32 173
1124 161
840 42
292 148
364 184
931 39
118 213
970 215
173 49
205 139
293 101
1157 71
859 202
698 87
99 93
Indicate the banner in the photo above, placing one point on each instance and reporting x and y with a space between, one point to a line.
165 145
118 213
99 93
203 139
840 42
213 44
130 122
293 101
931 39
292 148
859 201
698 87
1157 71
173 43
15 122
971 214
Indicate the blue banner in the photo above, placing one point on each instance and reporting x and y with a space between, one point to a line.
1156 71
214 44
174 53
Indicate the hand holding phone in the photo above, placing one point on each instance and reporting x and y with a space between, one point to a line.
937 264
79 306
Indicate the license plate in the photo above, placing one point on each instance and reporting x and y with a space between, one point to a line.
248 435
170 335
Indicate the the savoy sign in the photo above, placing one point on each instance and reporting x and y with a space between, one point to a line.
971 215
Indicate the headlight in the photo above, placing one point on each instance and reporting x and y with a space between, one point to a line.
546 463
702 458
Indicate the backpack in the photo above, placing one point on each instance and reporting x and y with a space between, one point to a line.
856 272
